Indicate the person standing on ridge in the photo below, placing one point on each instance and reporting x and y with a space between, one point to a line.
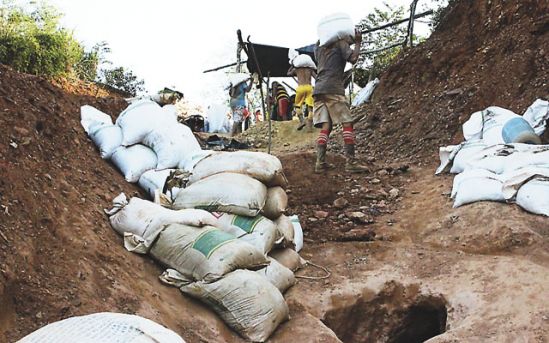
330 105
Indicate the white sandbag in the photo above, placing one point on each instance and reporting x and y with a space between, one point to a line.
205 253
172 144
476 185
488 125
289 258
286 230
189 163
140 221
365 93
281 277
303 61
103 327
152 180
261 166
533 196
335 27
90 116
246 301
140 118
217 116
298 232
446 155
133 161
224 192
258 231
107 138
276 202
466 153
537 115
513 181
537 156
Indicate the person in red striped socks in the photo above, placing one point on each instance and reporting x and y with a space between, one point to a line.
330 106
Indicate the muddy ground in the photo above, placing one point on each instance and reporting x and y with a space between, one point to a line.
404 265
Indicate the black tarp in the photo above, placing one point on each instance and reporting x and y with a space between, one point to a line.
273 60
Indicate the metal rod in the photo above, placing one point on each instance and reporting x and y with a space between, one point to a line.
382 49
223 67
398 22
287 85
260 84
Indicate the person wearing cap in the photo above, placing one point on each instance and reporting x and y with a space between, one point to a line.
330 105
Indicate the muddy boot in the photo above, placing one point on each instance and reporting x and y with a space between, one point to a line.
352 165
321 166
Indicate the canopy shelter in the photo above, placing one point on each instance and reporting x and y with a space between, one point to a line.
272 60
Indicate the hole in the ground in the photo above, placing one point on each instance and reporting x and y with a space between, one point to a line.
397 314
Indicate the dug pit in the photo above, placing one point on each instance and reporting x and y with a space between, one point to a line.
396 314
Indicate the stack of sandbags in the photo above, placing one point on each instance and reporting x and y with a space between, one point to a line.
220 259
501 159
103 327
145 137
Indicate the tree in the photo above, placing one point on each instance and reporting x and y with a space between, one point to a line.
122 79
88 66
372 65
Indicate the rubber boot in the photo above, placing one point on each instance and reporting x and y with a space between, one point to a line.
351 164
301 122
308 120
321 166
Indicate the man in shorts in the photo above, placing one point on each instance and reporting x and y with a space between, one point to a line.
330 105
304 95
238 106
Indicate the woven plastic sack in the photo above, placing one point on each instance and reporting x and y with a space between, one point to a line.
140 221
261 166
245 300
204 253
289 258
275 203
107 138
286 230
281 277
103 327
224 192
133 161
172 144
258 231
91 116
335 27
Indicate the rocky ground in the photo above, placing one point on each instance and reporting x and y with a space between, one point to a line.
405 266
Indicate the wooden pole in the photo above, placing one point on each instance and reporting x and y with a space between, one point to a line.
223 67
398 22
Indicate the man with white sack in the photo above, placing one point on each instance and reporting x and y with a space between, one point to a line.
304 69
330 104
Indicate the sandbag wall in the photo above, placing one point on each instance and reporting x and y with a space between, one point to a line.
501 159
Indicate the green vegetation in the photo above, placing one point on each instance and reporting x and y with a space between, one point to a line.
32 41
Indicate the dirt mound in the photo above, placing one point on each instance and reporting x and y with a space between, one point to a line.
484 53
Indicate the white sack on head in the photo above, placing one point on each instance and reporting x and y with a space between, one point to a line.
91 116
133 161
224 192
335 27
261 166
234 79
107 138
303 61
103 327
204 253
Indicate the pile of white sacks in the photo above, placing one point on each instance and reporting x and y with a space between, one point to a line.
491 166
223 237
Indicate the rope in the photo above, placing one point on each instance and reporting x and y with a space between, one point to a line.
328 274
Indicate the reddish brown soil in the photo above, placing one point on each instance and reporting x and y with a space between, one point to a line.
59 257
485 53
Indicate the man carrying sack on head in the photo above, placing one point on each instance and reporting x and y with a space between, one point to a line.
330 104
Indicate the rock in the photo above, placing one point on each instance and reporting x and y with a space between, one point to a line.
312 219
356 215
394 193
382 172
321 214
341 202
22 131
375 181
